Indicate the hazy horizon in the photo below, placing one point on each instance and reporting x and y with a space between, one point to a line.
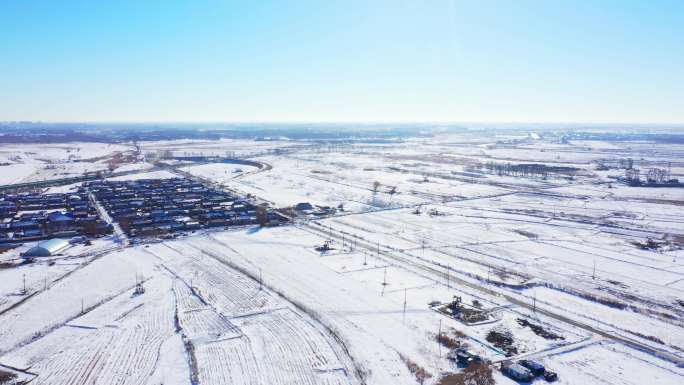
550 124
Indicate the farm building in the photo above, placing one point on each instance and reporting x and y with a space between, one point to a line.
47 248
303 206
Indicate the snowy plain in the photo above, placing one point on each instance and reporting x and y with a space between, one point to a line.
420 223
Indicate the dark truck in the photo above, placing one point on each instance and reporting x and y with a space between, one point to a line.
464 357
538 369
535 367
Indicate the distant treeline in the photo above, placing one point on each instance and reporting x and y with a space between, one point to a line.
37 132
628 137
113 133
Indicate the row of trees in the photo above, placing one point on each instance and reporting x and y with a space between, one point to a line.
390 189
510 169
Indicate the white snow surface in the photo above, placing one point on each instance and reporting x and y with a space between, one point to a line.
257 305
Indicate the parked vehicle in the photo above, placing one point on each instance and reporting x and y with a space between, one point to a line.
550 376
517 372
461 356
535 367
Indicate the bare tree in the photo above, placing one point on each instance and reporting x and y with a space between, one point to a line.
473 374
90 228
261 215
376 186
124 223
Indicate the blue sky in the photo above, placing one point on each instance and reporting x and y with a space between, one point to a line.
324 61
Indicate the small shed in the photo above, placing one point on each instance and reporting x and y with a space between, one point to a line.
47 248
303 206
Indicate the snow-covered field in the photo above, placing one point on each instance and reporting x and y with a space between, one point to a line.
561 264
35 162
220 172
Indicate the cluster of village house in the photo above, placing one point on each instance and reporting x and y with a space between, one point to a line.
35 216
157 206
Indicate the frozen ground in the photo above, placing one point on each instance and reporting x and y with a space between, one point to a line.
422 222
611 364
221 172
35 162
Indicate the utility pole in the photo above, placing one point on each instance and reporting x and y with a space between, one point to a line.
404 317
447 274
384 278
378 249
261 281
439 338
593 274
364 257
82 306
24 289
